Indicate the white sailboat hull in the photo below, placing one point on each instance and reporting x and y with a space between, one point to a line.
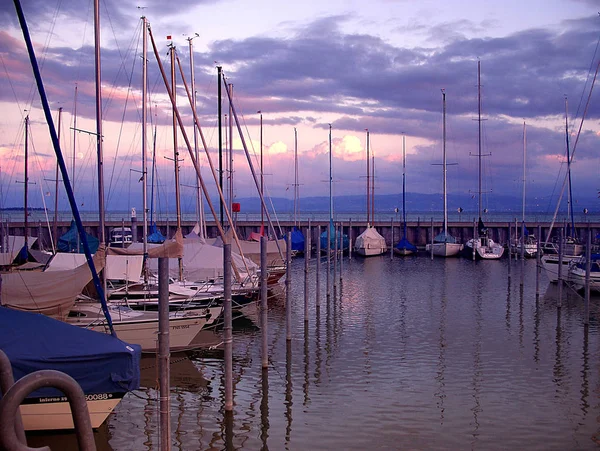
370 251
550 265
445 249
577 278
141 327
489 251
43 414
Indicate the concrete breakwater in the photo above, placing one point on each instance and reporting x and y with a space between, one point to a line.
418 232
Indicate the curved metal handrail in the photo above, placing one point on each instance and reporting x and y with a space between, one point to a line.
12 399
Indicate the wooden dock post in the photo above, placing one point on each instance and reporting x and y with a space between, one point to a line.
227 327
263 301
318 270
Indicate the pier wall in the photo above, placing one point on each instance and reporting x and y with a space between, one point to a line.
418 232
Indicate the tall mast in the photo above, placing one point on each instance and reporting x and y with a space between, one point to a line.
74 138
230 151
262 176
372 187
368 182
144 134
55 224
524 163
404 183
199 216
330 182
99 121
220 125
26 179
295 177
479 133
569 192
176 152
444 168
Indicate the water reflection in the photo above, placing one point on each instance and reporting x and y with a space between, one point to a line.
288 386
420 354
264 409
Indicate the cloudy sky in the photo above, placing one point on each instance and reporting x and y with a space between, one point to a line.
377 65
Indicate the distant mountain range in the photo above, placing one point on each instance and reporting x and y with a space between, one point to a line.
416 202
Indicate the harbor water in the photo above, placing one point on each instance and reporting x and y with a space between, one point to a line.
410 353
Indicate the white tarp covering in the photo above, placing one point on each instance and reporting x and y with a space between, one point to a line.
370 239
12 245
118 267
52 293
202 261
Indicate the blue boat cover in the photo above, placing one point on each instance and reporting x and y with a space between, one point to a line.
99 362
155 236
69 242
343 241
405 244
297 240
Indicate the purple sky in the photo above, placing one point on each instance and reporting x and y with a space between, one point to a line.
380 66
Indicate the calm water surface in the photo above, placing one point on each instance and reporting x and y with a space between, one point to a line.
412 354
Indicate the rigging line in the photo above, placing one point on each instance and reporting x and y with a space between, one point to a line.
135 38
587 79
115 160
574 148
13 159
10 82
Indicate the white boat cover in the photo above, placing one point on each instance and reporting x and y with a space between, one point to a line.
12 247
118 267
52 293
172 248
202 261
370 239
251 249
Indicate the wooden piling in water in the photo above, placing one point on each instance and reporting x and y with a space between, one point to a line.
328 264
431 238
561 247
474 237
227 327
288 286
164 353
522 254
306 258
588 270
392 240
263 301
318 270
538 262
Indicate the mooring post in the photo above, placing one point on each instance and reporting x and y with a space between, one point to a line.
306 257
510 251
328 264
588 270
392 240
561 246
309 239
350 240
227 327
538 261
522 253
474 237
431 241
335 259
263 300
318 270
288 286
164 353
342 255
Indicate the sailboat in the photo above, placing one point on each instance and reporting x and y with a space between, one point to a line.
571 247
298 241
370 242
404 247
444 244
481 245
342 239
528 242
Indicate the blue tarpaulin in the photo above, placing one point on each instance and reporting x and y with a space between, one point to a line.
70 242
297 240
99 362
155 236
